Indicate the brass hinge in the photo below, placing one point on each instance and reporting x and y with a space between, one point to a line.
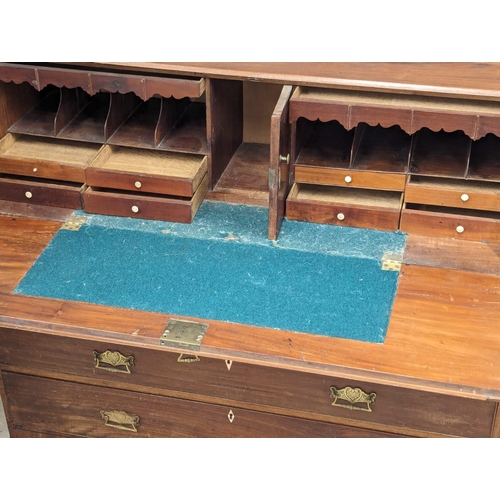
74 223
185 334
272 176
391 262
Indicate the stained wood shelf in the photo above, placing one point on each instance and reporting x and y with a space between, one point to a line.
246 177
40 120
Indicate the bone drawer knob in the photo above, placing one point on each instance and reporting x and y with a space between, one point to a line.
135 209
340 216
35 169
28 194
460 229
464 197
348 179
138 185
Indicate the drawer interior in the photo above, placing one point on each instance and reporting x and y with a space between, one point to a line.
459 212
346 196
181 173
51 159
17 148
442 183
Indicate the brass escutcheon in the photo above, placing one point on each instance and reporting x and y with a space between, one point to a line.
120 420
352 397
114 359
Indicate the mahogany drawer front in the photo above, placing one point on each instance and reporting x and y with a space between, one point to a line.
452 193
46 158
46 405
416 220
52 194
145 171
368 209
349 178
144 206
398 408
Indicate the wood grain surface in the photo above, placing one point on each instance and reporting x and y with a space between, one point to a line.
442 337
467 80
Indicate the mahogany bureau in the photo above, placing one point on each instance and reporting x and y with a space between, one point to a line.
408 147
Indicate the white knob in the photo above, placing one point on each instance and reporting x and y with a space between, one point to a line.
460 229
340 216
348 179
135 209
464 197
138 185
28 194
35 169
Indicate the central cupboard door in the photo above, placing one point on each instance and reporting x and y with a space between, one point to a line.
279 169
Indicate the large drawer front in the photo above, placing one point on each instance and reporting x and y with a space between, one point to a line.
45 405
403 410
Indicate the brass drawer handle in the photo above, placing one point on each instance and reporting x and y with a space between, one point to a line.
120 420
113 359
352 397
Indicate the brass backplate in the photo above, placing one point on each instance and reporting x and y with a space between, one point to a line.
185 334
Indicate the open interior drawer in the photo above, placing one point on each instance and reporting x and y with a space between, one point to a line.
142 170
30 156
365 208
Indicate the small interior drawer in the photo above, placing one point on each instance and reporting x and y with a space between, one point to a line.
349 178
29 190
453 193
46 158
363 208
145 205
142 170
472 225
